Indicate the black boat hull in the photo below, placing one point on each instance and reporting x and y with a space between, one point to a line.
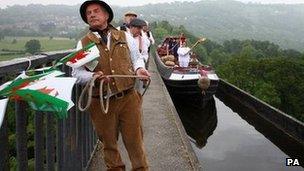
184 88
189 90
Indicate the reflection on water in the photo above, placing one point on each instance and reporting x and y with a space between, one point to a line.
223 140
198 122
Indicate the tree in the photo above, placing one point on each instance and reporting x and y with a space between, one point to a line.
248 51
210 46
287 76
291 53
14 41
166 25
267 92
233 46
160 33
218 57
32 46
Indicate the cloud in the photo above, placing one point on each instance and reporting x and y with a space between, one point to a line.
5 3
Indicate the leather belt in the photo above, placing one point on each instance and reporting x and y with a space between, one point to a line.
117 95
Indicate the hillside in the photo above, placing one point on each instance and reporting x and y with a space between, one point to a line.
218 20
261 68
225 20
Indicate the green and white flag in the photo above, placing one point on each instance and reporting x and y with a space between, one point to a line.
50 95
15 89
82 56
8 89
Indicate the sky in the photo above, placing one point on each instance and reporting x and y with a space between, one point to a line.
5 3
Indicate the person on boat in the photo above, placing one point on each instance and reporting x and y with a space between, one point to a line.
128 17
183 55
163 49
119 54
174 48
182 38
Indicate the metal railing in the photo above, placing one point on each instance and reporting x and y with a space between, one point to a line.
58 144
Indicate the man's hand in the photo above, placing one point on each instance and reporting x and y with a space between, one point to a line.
99 74
143 73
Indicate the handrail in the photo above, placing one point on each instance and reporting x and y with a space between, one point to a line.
59 144
17 65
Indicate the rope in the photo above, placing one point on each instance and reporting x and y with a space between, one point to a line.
104 80
29 63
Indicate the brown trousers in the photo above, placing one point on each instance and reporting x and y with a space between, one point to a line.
124 116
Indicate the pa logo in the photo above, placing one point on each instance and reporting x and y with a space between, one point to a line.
292 162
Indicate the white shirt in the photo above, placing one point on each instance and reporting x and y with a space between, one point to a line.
183 56
144 46
183 52
84 76
146 38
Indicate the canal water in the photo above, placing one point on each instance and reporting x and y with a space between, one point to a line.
223 140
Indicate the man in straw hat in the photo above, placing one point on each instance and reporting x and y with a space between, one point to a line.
128 17
119 55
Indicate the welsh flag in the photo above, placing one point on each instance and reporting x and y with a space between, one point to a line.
44 92
50 95
82 56
9 89
23 80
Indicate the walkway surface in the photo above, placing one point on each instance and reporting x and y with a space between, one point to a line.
166 142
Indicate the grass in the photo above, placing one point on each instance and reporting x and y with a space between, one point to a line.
10 57
47 44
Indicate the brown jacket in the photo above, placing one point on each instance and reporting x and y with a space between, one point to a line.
114 61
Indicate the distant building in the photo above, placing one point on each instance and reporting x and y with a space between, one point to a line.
47 26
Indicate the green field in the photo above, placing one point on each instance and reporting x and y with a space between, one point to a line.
47 44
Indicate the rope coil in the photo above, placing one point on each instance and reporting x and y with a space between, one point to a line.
103 80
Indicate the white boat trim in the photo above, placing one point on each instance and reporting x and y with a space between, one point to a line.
212 76
180 77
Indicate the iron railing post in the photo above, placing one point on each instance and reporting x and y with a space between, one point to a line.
21 136
39 141
50 142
